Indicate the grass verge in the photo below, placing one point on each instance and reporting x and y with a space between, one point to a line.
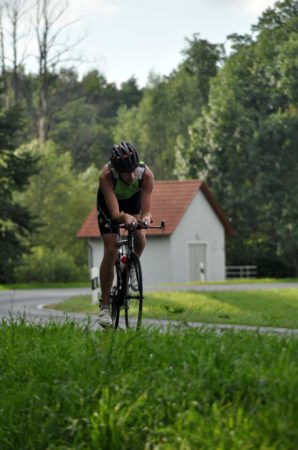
64 386
235 281
52 285
272 307
78 284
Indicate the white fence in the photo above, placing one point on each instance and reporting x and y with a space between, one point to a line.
241 271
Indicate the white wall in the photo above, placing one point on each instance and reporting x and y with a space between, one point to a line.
156 260
200 224
97 252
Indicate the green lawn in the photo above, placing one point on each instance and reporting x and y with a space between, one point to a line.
272 307
67 387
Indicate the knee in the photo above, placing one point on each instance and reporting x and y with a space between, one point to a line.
140 240
110 252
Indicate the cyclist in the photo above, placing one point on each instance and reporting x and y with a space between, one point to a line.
124 196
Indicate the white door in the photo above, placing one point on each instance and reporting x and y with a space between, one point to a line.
197 259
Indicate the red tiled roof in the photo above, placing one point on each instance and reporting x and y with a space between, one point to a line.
170 200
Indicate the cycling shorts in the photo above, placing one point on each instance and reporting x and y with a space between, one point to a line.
130 206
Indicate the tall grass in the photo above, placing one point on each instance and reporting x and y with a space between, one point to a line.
68 387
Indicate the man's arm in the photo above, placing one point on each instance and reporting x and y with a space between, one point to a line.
148 183
106 185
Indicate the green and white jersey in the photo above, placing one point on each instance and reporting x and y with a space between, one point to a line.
124 191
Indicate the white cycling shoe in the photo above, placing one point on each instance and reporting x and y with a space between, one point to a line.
104 318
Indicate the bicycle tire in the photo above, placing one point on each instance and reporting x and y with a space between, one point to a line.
133 292
115 296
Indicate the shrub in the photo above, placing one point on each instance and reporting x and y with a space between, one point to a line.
45 265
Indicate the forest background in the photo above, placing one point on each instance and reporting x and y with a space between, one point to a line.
229 119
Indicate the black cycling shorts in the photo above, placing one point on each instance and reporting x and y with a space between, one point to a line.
130 206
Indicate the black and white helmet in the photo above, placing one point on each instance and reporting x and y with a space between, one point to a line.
125 157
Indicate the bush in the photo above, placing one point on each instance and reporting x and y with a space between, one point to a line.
44 265
274 267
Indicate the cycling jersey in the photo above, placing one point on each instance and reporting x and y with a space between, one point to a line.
128 196
124 191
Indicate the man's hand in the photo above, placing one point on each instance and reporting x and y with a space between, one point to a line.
128 219
147 219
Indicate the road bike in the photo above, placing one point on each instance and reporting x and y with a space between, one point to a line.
127 292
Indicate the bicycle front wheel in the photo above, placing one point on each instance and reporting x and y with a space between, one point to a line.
133 292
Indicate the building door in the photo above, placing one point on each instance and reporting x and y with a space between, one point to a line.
197 257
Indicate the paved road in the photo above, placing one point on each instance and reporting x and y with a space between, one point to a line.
15 303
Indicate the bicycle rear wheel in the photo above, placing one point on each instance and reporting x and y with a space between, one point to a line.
133 292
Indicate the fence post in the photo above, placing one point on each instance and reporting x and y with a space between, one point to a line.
94 285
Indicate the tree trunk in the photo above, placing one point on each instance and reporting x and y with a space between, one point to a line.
15 74
3 66
51 52
43 109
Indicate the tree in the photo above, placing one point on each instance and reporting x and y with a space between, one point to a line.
16 223
202 60
106 97
51 53
60 198
16 10
146 127
245 141
14 14
3 63
77 129
159 124
130 95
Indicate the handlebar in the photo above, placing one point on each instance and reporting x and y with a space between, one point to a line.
139 225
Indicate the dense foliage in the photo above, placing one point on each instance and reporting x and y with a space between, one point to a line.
16 222
229 119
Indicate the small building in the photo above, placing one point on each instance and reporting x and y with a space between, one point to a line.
192 246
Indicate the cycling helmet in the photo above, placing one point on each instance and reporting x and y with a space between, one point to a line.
125 157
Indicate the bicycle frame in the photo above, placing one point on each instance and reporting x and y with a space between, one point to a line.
128 241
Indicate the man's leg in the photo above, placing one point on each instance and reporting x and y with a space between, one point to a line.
107 266
140 241
106 276
140 238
